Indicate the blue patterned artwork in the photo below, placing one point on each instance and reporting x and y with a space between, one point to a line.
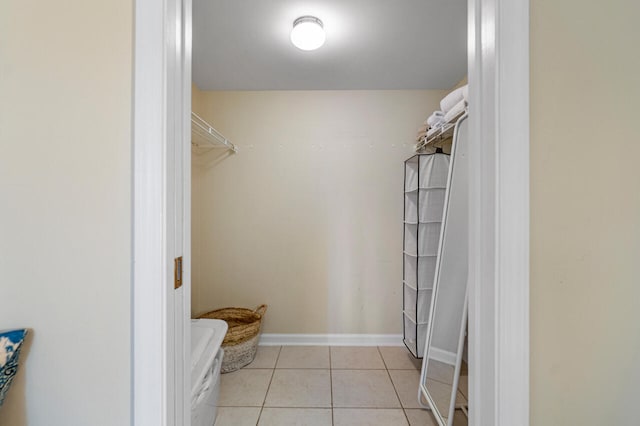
10 345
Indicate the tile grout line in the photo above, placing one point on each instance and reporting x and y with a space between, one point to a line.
315 368
273 373
355 407
331 385
329 408
394 386
275 366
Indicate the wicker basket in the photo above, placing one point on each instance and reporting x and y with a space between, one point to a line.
241 341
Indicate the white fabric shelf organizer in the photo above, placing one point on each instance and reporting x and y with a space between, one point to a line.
425 183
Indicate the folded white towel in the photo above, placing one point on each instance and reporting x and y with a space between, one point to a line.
435 119
453 98
436 113
455 110
438 123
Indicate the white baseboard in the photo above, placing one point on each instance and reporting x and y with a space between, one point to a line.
442 356
331 340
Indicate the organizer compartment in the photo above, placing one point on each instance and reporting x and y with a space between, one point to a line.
411 207
431 204
417 303
434 170
414 335
411 239
428 238
419 272
411 175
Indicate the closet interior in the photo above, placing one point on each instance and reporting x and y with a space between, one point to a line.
313 196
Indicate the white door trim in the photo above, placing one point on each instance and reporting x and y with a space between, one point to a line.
185 60
499 220
161 60
149 302
499 206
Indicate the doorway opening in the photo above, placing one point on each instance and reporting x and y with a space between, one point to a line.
486 341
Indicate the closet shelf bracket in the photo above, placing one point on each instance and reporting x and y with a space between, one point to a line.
204 136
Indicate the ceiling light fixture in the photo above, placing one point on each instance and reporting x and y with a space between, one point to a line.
307 33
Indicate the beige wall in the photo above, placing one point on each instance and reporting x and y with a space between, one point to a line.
585 213
464 81
65 227
197 99
307 217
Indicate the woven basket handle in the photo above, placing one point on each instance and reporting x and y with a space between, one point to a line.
260 310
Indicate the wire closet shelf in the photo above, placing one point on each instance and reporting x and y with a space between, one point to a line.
444 133
204 136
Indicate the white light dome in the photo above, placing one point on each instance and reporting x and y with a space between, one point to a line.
307 33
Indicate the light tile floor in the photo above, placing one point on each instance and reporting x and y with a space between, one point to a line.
324 386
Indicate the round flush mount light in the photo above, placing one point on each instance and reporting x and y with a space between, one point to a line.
307 33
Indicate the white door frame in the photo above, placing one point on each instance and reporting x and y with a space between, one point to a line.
149 301
161 212
499 212
499 219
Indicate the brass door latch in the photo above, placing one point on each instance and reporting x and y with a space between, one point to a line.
177 273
